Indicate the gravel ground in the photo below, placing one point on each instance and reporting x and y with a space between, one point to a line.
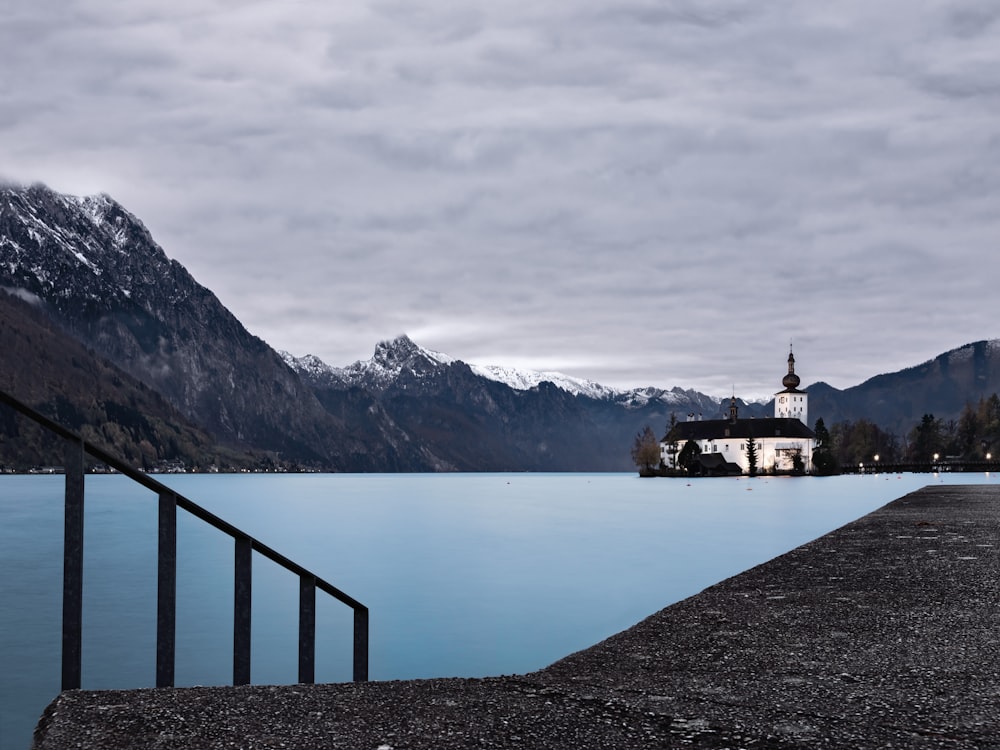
884 633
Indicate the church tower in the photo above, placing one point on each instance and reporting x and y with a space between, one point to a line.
791 403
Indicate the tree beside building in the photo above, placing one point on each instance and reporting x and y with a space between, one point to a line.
751 455
646 451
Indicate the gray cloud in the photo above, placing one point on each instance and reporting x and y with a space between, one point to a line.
644 192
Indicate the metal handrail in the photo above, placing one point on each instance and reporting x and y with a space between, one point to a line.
245 546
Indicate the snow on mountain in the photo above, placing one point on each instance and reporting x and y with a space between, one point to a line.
392 358
56 245
309 365
523 380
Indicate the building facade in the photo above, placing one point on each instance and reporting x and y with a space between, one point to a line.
783 443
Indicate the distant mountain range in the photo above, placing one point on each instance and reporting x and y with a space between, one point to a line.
89 291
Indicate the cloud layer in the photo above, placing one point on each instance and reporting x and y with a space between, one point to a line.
640 192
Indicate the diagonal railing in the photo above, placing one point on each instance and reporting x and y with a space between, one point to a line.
166 608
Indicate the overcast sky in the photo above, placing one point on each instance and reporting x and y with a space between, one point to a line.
638 192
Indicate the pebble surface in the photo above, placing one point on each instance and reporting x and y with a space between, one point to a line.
882 634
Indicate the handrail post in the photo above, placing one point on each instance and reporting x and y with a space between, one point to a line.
361 644
241 610
166 590
72 614
307 629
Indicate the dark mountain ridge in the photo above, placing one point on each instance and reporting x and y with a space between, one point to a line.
896 401
98 273
47 368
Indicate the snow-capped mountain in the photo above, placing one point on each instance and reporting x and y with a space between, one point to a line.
633 398
523 380
402 357
61 248
391 361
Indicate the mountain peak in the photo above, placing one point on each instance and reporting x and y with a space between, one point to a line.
394 358
401 353
309 365
59 246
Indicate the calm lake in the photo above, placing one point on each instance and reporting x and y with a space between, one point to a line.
464 574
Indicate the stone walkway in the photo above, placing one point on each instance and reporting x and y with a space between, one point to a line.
884 633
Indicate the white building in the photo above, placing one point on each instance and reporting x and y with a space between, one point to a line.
784 443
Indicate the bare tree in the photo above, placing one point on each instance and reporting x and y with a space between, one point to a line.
646 450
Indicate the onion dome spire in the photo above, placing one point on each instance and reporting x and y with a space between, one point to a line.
791 380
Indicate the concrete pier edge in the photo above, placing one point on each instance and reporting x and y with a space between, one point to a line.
883 633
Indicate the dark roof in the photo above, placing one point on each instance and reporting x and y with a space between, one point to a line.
718 429
716 463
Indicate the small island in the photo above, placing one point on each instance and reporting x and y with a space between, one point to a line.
734 446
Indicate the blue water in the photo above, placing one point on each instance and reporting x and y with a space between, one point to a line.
464 574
